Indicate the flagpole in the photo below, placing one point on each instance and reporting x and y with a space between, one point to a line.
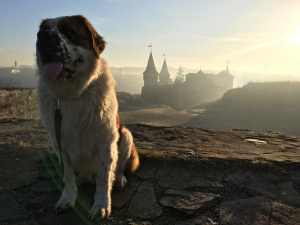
150 47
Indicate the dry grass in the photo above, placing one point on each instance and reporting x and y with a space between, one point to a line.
18 103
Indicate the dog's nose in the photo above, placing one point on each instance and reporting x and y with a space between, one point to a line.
45 34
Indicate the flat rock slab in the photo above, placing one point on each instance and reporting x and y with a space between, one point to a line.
258 210
26 223
188 201
295 174
222 144
45 186
284 192
45 201
143 204
183 179
203 219
70 216
10 209
18 176
265 184
120 198
147 171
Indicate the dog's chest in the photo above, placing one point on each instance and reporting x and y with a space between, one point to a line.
80 121
80 135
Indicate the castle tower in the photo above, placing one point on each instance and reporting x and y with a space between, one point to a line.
14 69
150 74
164 76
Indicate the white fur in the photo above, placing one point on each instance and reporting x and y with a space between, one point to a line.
125 149
89 132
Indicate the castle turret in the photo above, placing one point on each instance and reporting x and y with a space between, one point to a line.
164 76
150 74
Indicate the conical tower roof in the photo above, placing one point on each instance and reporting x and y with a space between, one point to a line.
164 69
150 66
200 72
227 69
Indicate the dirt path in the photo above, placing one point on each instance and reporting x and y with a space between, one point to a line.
187 176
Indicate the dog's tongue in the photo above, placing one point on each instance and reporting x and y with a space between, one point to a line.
52 70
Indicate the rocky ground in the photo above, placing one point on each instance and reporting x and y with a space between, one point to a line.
187 176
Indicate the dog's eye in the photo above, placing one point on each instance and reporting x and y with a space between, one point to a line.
68 32
45 27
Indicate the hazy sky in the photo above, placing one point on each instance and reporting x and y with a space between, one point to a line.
253 35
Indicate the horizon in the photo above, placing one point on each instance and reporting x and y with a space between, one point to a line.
189 70
257 36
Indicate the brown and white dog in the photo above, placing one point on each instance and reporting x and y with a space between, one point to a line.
70 70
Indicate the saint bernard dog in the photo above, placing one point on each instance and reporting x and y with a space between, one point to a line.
93 144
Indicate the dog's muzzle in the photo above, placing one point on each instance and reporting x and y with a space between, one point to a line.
50 47
54 55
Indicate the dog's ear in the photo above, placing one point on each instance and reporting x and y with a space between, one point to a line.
44 25
97 41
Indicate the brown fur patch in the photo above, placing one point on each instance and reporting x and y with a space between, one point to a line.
75 30
118 121
44 25
79 31
134 161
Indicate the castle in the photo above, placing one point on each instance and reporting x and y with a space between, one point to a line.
198 87
15 68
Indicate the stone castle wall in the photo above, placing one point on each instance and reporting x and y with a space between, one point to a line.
180 96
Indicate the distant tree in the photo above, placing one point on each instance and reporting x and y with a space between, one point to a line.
180 77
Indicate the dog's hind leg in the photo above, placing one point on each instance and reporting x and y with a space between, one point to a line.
69 193
128 159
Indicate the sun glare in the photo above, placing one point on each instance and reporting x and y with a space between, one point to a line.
295 37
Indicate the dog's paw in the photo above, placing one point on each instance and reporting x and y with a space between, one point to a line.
63 204
66 200
99 212
120 182
101 208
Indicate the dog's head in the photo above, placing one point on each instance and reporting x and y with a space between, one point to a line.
64 45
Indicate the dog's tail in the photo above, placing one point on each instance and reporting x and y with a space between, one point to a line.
128 155
133 161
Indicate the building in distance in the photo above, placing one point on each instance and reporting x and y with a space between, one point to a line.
198 87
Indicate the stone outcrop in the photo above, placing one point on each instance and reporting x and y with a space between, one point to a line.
180 180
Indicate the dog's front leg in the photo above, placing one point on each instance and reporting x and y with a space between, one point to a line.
69 193
108 156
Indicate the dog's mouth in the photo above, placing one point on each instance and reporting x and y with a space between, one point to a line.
62 71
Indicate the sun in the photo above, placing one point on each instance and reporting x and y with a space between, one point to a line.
295 37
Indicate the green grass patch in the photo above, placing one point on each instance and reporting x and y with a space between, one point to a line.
52 169
261 164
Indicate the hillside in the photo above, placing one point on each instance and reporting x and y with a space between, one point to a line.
273 106
270 95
